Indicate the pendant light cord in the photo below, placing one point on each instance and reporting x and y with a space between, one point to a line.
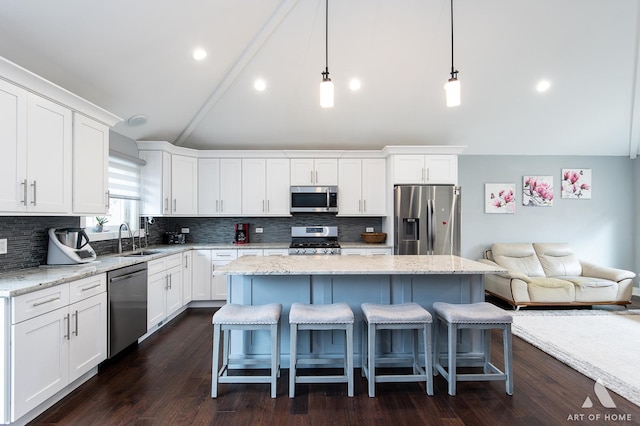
326 40
453 71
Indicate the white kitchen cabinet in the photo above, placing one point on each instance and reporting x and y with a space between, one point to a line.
384 251
308 171
90 166
57 335
265 187
220 257
169 184
275 252
362 184
184 185
155 183
187 276
164 289
201 275
419 169
36 161
219 186
13 143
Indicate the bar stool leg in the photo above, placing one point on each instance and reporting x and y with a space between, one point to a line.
508 364
274 358
215 360
371 359
349 349
428 368
293 338
486 336
453 342
363 347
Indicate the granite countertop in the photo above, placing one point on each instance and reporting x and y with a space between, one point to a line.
356 265
15 283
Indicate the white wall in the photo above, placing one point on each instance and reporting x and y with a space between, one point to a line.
601 229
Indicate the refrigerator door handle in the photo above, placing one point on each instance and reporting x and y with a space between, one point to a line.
432 226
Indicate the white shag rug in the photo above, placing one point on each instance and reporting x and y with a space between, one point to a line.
600 344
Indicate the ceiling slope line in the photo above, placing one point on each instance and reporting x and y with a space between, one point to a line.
244 59
634 133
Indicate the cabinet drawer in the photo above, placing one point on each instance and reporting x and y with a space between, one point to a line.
39 302
173 260
155 266
249 252
87 287
224 254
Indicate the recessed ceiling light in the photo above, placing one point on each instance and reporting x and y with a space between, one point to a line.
199 54
260 85
137 120
543 85
355 84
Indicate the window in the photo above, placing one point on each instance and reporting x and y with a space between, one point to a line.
124 200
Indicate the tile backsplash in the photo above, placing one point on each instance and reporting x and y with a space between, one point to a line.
27 238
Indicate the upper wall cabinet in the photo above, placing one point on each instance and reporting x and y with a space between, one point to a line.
36 161
361 186
265 187
169 184
220 186
307 171
90 166
419 169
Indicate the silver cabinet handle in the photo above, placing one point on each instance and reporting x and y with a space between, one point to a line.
24 192
89 288
107 199
360 205
422 174
76 331
175 205
316 176
34 193
427 174
364 206
311 180
68 335
268 208
217 202
53 299
186 262
166 205
263 206
221 206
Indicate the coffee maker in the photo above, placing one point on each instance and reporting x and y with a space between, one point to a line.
241 234
69 246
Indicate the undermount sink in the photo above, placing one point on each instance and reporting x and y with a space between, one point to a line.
142 253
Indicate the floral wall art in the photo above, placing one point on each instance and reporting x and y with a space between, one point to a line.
537 191
499 198
576 183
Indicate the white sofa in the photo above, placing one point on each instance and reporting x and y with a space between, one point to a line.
551 274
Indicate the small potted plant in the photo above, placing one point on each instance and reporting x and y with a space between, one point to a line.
101 220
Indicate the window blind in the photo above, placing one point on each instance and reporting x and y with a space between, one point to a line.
124 179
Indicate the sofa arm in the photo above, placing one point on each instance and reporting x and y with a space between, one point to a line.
597 271
509 274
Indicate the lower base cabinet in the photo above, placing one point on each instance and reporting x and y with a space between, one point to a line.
164 289
50 350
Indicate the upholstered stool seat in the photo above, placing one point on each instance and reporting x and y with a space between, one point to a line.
245 317
405 316
336 316
483 316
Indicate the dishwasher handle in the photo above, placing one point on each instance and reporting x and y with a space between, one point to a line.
126 277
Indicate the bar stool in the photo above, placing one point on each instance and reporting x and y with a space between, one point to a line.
243 317
336 316
483 316
403 316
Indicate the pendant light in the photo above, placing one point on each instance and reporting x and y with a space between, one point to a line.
452 87
326 87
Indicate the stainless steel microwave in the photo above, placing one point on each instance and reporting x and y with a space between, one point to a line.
314 199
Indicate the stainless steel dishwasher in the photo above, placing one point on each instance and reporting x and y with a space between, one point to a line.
127 291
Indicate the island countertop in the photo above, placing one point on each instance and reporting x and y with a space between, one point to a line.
356 265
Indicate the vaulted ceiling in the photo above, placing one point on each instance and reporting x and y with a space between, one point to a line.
134 57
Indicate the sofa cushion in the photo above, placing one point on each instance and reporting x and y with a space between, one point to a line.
557 259
517 257
551 290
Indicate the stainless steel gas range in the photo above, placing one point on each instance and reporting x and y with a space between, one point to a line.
314 240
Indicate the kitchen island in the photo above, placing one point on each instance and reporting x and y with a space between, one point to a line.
353 280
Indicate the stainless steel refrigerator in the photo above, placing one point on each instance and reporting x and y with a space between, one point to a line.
427 219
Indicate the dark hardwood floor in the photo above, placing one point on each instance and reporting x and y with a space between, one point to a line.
166 380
